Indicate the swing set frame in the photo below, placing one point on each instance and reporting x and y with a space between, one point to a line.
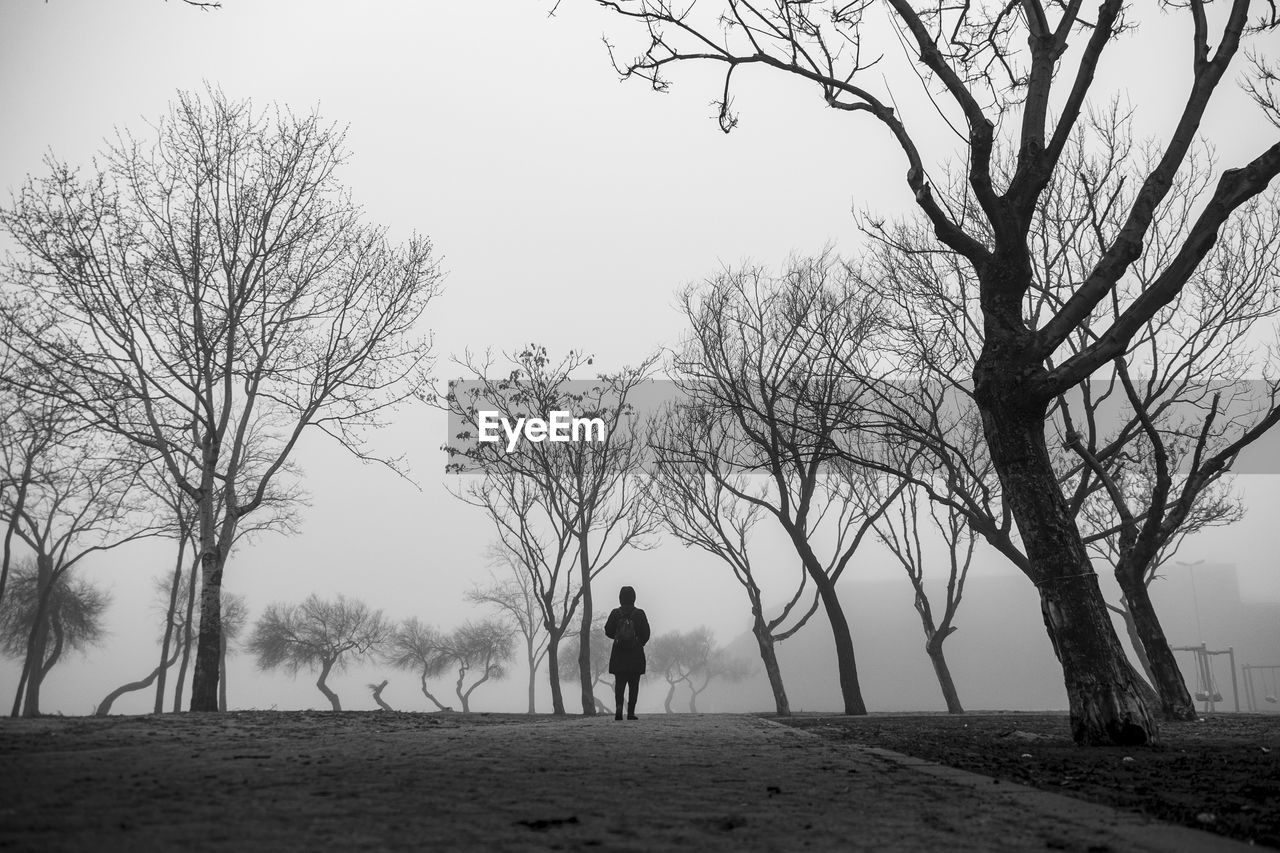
1250 694
1208 691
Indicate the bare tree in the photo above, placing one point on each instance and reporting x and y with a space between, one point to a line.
108 702
1147 438
317 634
567 509
182 527
65 608
187 629
600 653
481 649
1020 76
235 618
377 694
30 426
753 364
420 648
78 496
1215 506
667 660
1191 396
721 666
943 463
278 513
171 651
697 502
218 293
515 597
899 530
694 659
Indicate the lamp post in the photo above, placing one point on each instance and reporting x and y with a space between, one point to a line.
1208 692
1195 600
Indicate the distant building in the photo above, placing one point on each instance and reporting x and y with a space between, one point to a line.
1201 603
1000 656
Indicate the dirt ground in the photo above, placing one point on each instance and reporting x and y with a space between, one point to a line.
264 780
1220 774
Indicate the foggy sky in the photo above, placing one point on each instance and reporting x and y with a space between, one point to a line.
567 208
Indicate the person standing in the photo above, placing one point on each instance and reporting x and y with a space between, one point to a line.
628 627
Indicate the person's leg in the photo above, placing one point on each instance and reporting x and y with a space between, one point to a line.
619 684
634 682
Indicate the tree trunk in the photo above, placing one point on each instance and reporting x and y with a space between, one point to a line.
466 697
457 688
584 632
325 667
533 674
693 696
850 691
11 527
188 636
27 698
422 680
553 671
222 666
1104 697
204 684
1135 641
1149 694
769 655
162 668
1105 701
933 640
933 647
104 707
671 694
1166 677
377 695
56 627
215 541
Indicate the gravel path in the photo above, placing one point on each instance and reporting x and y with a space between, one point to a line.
375 781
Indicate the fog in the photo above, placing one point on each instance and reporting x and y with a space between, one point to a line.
385 544
568 208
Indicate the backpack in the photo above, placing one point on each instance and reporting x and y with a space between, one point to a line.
625 636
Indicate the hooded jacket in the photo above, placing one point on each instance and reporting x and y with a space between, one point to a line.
627 660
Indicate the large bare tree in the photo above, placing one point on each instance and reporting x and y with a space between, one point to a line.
697 500
1139 450
66 611
235 613
278 512
30 427
217 294
694 659
1107 519
77 495
514 596
564 510
1020 76
419 648
755 364
479 650
899 529
600 654
317 634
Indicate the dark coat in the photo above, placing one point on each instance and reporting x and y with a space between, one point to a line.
627 661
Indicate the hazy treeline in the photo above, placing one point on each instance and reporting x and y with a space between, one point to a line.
1050 356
